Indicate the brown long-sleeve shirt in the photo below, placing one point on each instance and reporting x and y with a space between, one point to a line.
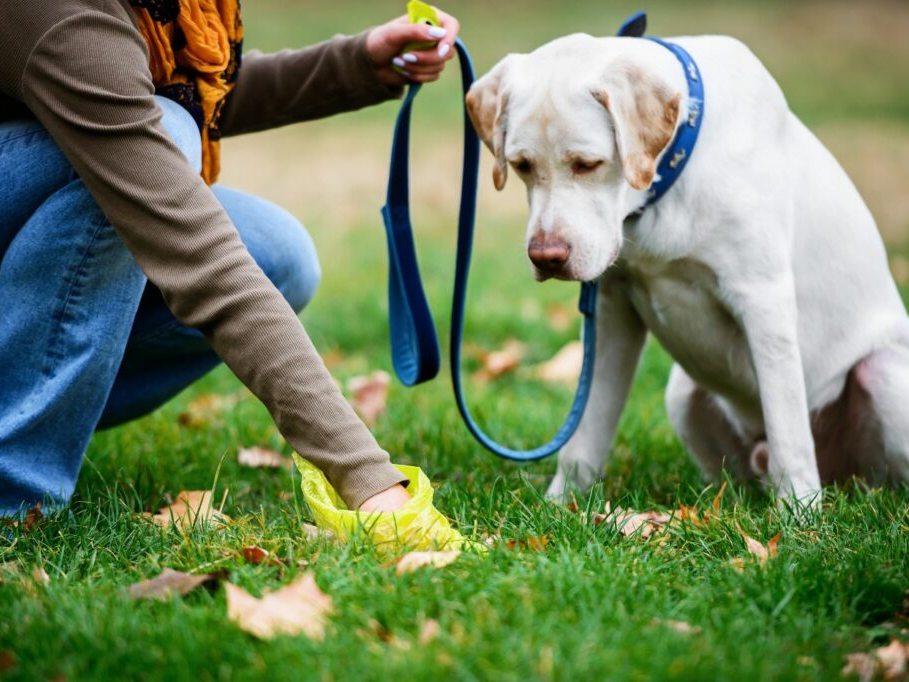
81 68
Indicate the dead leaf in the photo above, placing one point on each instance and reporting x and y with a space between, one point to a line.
298 607
205 409
757 549
560 316
192 507
411 561
718 500
257 458
257 555
893 660
169 582
7 660
738 563
629 521
498 362
536 543
369 395
565 366
33 518
679 626
40 576
428 632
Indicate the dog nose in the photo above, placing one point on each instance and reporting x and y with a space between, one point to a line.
549 255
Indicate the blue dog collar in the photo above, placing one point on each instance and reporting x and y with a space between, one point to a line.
680 149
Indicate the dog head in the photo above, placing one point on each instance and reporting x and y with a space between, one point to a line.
582 121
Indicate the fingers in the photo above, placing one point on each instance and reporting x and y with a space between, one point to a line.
445 48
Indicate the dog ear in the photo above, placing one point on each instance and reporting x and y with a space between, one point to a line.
487 102
644 113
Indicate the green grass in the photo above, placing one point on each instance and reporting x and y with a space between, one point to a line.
591 606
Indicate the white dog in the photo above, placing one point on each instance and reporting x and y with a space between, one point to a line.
761 271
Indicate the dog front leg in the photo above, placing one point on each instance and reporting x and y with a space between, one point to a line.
620 337
768 313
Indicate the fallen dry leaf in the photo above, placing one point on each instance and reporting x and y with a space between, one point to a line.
257 555
561 316
428 632
757 549
257 458
718 500
565 366
202 411
536 543
889 662
33 518
298 607
629 521
169 582
190 508
679 626
40 576
411 561
369 395
498 362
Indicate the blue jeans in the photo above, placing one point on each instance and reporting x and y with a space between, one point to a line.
85 340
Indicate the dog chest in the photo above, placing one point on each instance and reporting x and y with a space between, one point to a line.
678 303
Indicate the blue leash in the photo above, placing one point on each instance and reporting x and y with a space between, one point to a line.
414 342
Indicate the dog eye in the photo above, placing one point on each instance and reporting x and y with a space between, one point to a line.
583 167
523 166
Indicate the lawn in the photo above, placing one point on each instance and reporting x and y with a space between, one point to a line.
595 604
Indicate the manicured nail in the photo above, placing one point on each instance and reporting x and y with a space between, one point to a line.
443 49
437 32
406 73
397 61
410 57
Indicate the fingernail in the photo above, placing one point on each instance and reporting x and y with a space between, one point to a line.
405 73
443 49
397 61
437 32
409 57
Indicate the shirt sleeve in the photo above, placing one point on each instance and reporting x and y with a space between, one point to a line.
298 85
87 81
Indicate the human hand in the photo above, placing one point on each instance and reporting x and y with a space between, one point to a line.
385 42
387 501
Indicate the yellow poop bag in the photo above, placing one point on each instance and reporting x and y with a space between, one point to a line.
418 525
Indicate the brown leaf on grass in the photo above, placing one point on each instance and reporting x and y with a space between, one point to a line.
718 500
169 582
205 409
535 543
257 555
679 626
33 518
629 521
565 366
498 362
40 576
192 507
258 458
757 549
889 662
369 395
411 561
428 632
561 316
7 660
298 607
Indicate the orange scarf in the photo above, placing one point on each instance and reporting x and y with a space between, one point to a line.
194 54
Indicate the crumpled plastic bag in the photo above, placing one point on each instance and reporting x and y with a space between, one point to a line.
418 525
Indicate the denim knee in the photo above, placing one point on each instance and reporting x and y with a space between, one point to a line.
277 241
182 129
